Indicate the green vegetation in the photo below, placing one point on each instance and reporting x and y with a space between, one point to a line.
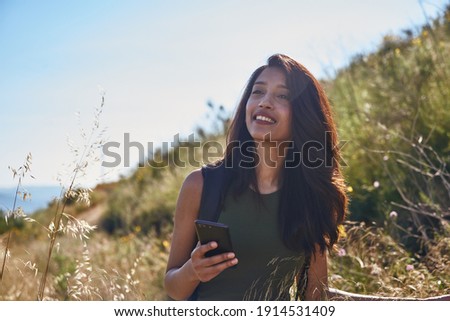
392 108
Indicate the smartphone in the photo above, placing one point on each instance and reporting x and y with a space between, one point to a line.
208 231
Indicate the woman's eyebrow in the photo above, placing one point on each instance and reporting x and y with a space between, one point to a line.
264 83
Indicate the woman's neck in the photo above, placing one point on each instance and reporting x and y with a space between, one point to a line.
269 170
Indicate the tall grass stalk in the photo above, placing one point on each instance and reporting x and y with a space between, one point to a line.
56 225
20 172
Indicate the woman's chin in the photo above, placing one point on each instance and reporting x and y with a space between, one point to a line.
261 135
267 137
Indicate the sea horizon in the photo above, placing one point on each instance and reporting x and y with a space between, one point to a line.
41 196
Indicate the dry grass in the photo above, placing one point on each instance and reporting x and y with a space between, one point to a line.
99 266
369 261
102 268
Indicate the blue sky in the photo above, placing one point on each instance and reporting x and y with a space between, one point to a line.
159 62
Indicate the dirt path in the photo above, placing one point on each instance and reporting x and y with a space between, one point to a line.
93 214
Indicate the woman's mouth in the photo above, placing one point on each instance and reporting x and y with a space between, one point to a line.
264 120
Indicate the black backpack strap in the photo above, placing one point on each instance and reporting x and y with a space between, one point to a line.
213 177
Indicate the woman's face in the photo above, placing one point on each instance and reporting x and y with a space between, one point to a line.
268 109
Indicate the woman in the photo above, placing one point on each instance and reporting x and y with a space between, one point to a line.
284 196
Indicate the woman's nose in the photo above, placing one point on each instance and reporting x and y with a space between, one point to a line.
265 102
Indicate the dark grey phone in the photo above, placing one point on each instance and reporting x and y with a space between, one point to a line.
208 231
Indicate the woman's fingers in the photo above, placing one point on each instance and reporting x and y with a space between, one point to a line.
208 273
201 250
216 259
208 268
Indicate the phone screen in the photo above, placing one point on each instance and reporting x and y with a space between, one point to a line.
208 231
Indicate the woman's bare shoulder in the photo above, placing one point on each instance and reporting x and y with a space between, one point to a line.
190 195
194 181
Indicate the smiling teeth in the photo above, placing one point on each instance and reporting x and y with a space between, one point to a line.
264 118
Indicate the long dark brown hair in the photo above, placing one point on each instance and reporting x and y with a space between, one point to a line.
313 201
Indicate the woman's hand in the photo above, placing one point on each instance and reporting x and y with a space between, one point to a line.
207 268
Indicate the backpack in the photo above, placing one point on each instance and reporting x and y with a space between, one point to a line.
210 207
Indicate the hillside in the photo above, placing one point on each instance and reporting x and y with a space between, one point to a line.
393 109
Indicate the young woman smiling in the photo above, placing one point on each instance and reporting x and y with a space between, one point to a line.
282 212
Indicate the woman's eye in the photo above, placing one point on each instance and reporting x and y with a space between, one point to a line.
256 91
284 97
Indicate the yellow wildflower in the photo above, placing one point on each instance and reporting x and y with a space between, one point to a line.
341 230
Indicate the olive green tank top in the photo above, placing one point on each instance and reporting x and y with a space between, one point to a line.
266 268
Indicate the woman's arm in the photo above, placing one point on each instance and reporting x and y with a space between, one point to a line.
186 268
317 276
180 281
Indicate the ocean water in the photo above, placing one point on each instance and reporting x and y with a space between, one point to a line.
40 197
